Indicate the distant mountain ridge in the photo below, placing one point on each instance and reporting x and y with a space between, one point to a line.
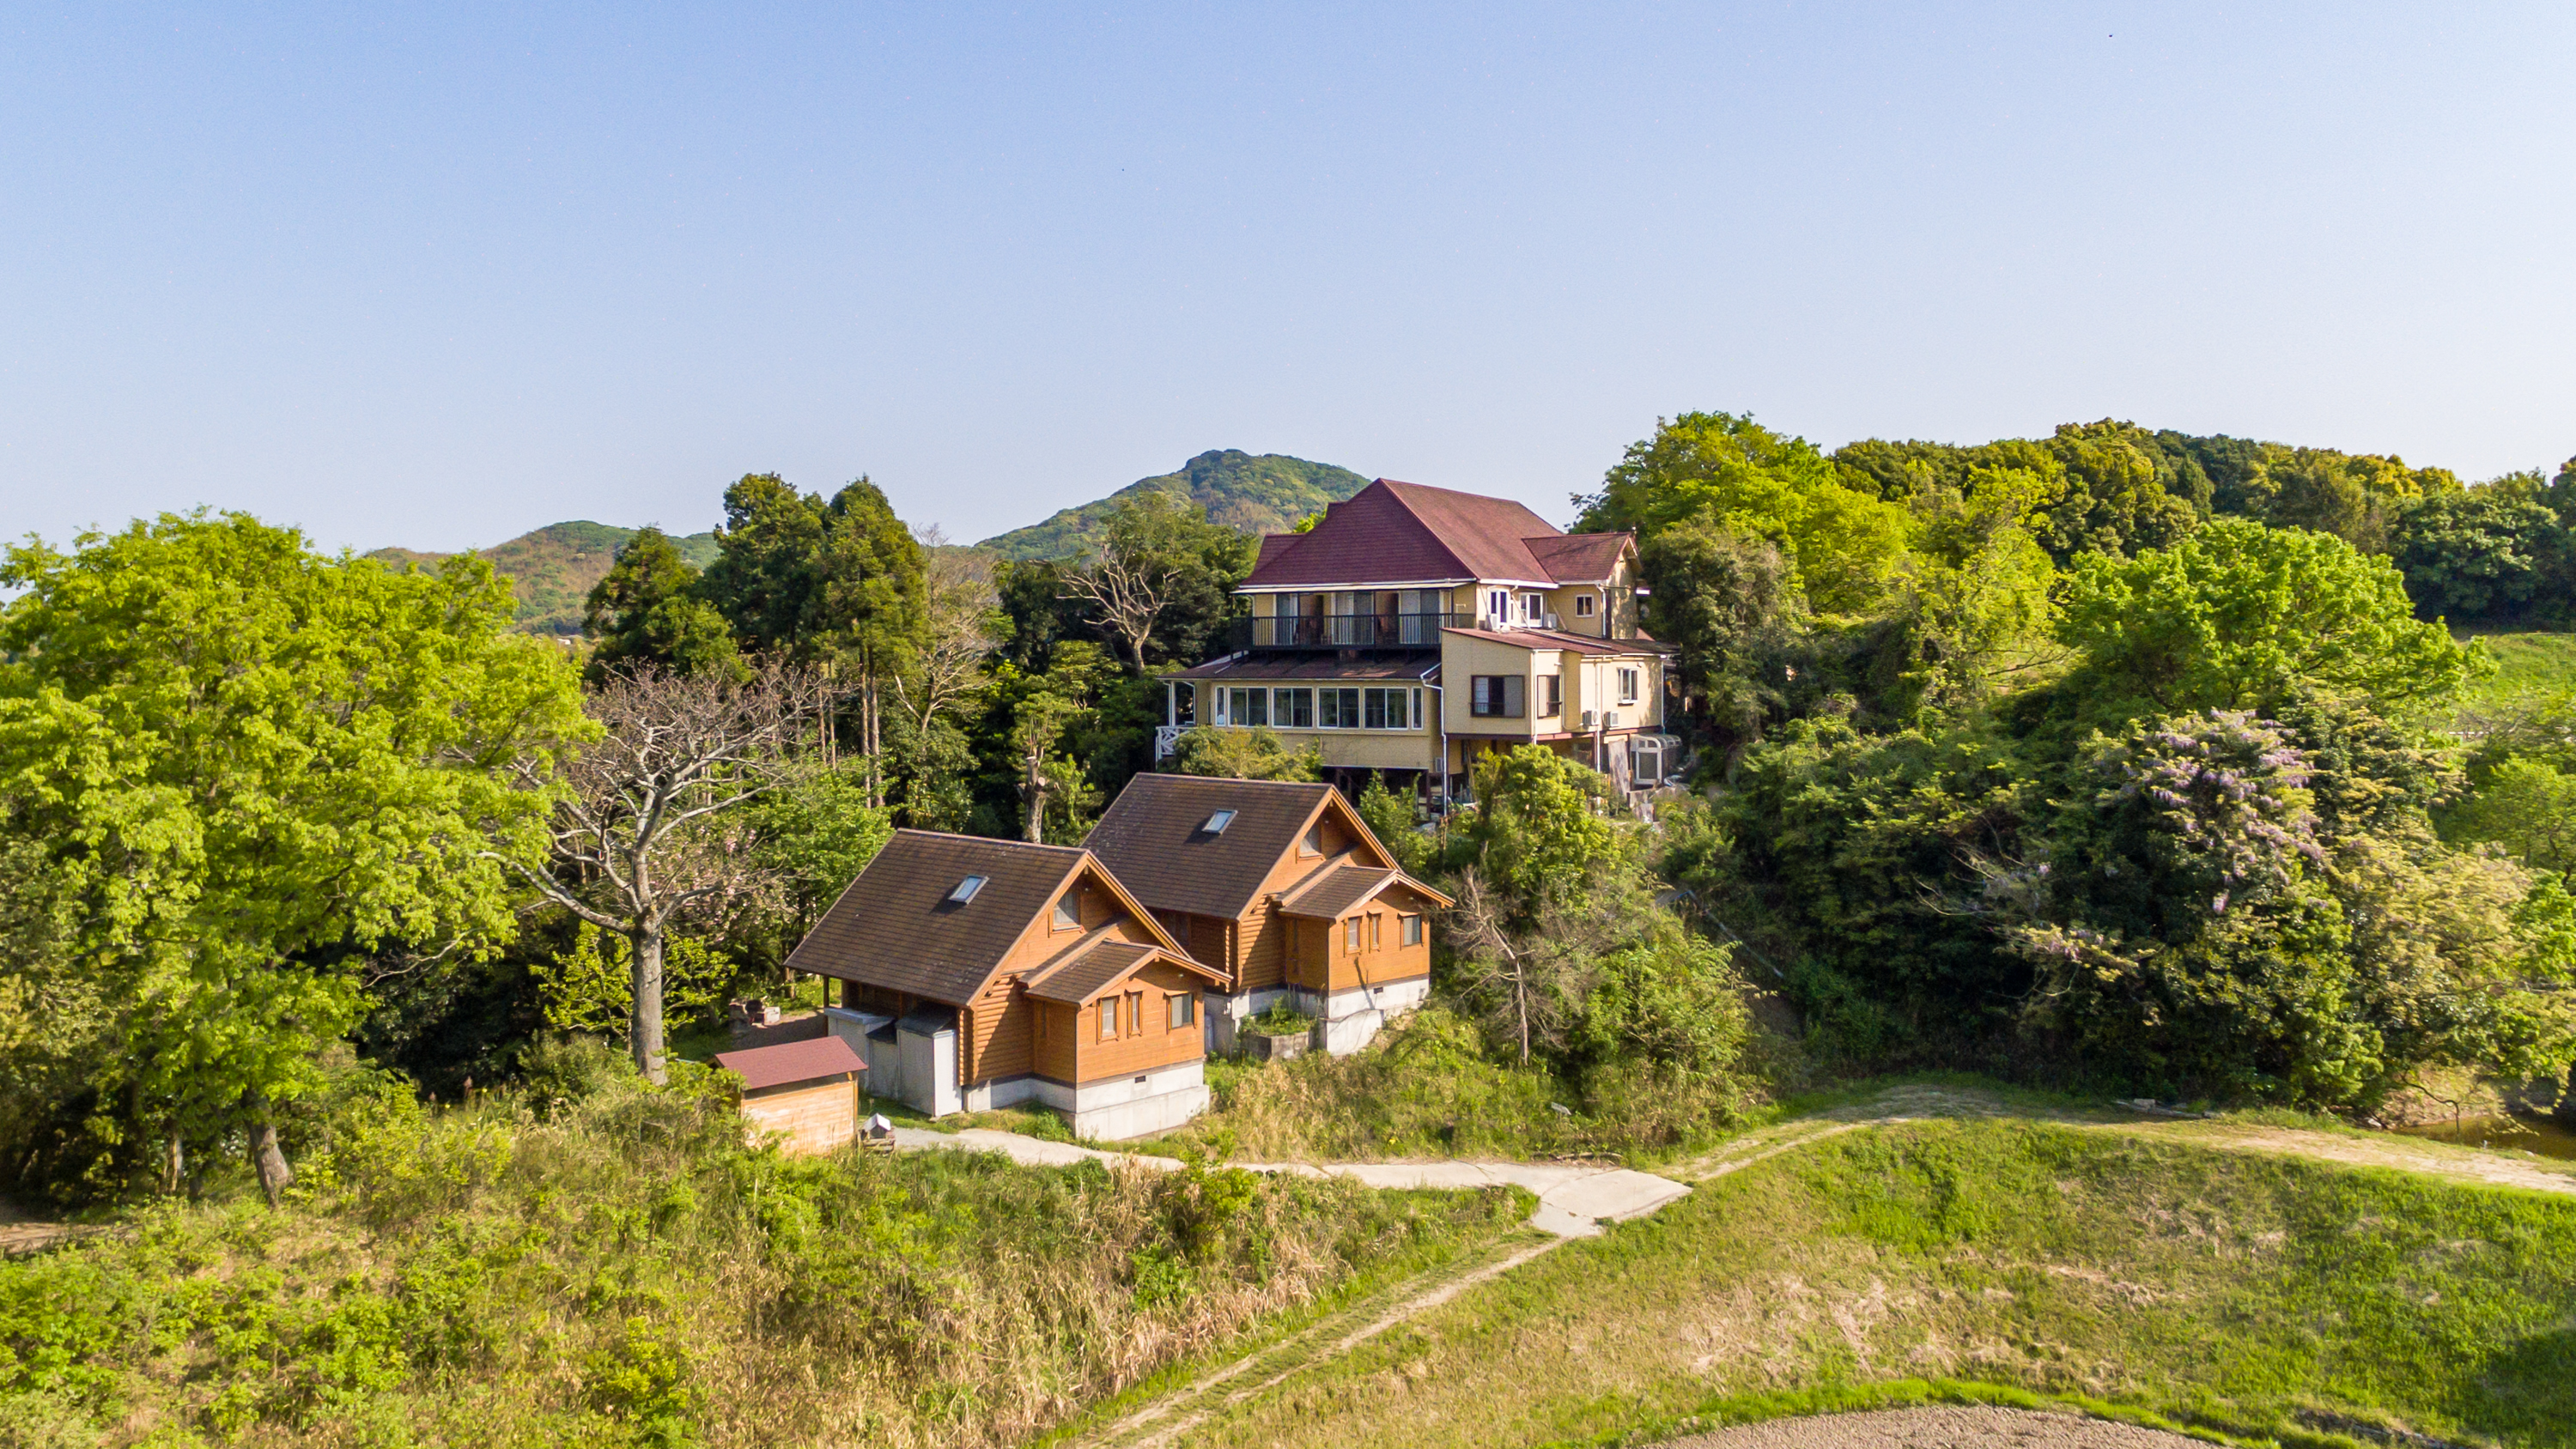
1263 494
553 567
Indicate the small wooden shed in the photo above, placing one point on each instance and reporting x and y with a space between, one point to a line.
804 1092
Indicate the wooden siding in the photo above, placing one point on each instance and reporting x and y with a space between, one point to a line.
1054 1027
1002 1034
813 1119
1141 1045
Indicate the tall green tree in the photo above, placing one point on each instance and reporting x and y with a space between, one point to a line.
647 610
2486 554
254 768
1843 542
2238 614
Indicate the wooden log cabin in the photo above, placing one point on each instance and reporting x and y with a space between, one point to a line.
1281 887
981 973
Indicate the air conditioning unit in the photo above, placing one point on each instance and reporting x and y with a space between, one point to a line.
1587 719
1551 622
1610 720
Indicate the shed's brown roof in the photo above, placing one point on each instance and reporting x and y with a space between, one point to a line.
895 927
1152 838
813 1060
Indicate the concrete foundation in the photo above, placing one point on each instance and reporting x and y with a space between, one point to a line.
1124 1107
1345 1021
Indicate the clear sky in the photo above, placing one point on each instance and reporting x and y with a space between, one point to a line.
438 275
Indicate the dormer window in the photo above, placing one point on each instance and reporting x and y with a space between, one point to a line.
1068 911
1313 844
966 890
1216 824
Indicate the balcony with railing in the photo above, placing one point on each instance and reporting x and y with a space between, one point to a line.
1350 631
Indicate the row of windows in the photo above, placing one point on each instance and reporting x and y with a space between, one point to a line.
1409 931
1326 709
1180 1006
1505 696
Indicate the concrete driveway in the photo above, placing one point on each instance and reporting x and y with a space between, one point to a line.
1574 1200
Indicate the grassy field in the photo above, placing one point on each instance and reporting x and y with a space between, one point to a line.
2525 663
2254 1294
624 1272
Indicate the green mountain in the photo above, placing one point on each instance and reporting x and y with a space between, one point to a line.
1257 495
554 567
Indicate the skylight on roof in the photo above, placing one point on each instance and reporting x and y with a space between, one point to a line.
966 889
1217 823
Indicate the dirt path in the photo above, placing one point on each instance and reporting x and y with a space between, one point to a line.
1946 1426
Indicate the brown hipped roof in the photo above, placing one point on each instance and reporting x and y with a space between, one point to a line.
895 926
815 1060
1391 532
1152 838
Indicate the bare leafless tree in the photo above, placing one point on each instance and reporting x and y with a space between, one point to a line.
1125 584
959 630
648 832
1530 985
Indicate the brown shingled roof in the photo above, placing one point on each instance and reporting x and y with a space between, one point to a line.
1392 532
1082 975
1559 639
1411 667
895 927
817 1059
1331 892
1152 838
1580 558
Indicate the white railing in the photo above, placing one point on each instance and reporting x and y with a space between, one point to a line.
1167 738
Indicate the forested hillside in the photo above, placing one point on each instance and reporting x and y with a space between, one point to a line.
2115 762
1254 495
553 568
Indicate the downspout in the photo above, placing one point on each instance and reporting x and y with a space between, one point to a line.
1440 731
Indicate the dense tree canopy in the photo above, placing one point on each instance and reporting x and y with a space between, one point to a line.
254 768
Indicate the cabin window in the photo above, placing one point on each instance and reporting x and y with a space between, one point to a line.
1627 686
1551 695
1185 1010
1412 932
1313 843
1216 824
1351 934
1108 1018
966 889
1496 696
1338 709
1583 606
1383 709
1292 709
1136 1013
1375 921
1534 608
1068 911
1247 707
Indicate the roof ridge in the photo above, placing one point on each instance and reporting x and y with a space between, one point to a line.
987 840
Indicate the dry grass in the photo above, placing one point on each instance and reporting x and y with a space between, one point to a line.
628 1273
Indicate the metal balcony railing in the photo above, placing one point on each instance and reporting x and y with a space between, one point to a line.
1353 631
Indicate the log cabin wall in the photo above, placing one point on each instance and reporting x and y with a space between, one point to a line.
1146 1039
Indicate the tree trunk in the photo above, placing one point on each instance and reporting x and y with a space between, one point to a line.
2567 1098
265 1157
174 1161
645 1026
872 742
1033 796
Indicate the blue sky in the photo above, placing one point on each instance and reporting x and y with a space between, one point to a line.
438 275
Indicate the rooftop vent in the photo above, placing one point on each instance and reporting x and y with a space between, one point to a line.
966 889
1217 823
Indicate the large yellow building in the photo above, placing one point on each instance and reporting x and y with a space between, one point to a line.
1415 627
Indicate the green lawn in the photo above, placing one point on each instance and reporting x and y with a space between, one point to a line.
2257 1295
2525 663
